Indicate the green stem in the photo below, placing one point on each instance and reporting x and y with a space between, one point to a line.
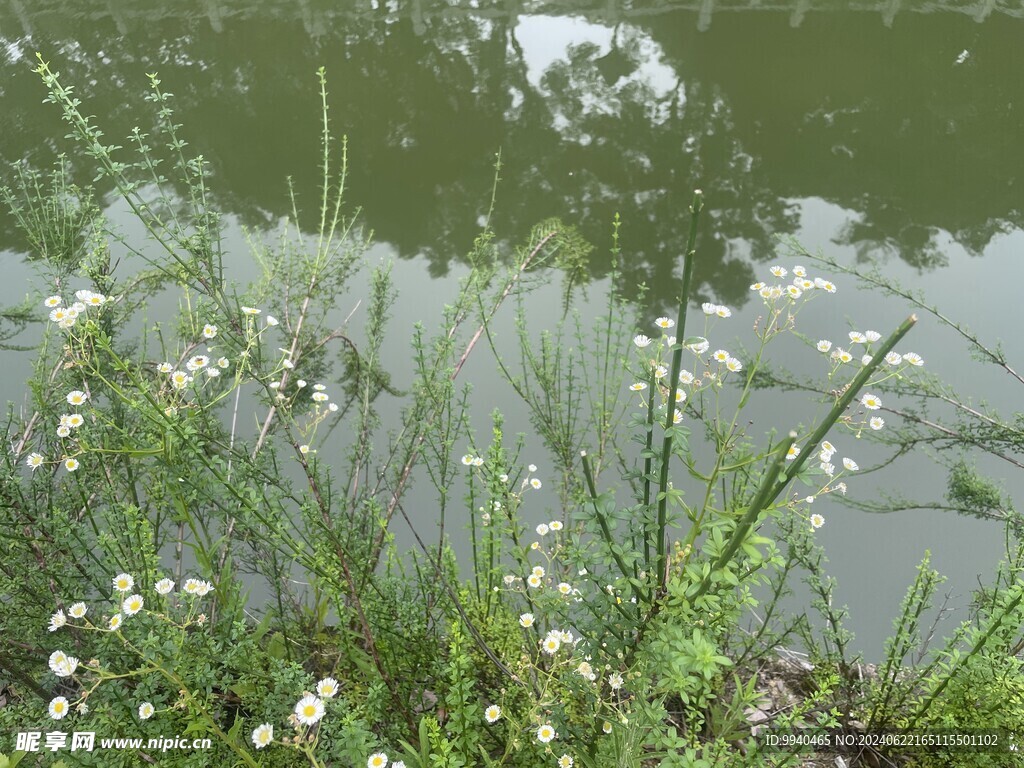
673 385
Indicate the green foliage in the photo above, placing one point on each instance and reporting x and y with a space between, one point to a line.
138 508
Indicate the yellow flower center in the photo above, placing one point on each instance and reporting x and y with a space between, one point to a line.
309 710
58 707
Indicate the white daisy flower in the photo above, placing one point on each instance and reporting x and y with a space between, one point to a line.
733 364
164 586
58 707
856 337
850 464
615 681
197 362
57 621
720 355
551 644
63 431
479 462
545 733
699 347
526 620
872 402
78 610
565 588
685 377
827 468
757 286
876 422
709 308
533 579
132 605
71 464
872 336
778 271
827 286
664 323
638 386
843 356
542 529
794 292
894 358
310 709
723 311
52 301
660 372
263 735
209 331
377 760
165 367
799 271
913 358
34 460
792 453
250 311
327 688
212 373
115 621
320 397
641 341
76 397
535 483
65 666
272 321
123 582
75 420
180 379
817 520
146 710
492 713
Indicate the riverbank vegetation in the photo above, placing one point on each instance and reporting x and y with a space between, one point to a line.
197 510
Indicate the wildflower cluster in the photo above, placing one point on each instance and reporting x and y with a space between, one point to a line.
126 605
66 315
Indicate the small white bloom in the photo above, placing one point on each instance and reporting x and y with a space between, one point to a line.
913 358
876 422
792 453
545 733
57 621
827 468
850 464
799 271
164 586
526 620
872 336
263 735
53 301
492 713
34 460
865 359
641 341
78 610
146 710
63 431
723 311
685 377
310 709
893 358
377 760
535 483
115 621
778 271
856 337
664 323
209 331
542 529
638 386
76 397
165 367
817 520
327 688
58 707
708 307
132 605
272 321
720 355
250 311
733 364
871 402
123 582
320 397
